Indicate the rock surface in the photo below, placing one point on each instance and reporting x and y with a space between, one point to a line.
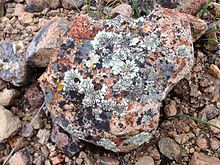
9 124
123 9
186 6
12 63
2 8
21 158
38 5
72 4
200 159
145 160
169 148
106 83
8 97
46 41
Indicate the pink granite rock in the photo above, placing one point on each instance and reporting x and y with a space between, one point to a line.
106 83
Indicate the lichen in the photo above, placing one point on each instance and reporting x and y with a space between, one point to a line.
109 145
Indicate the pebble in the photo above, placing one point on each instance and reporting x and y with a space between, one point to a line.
86 158
21 158
43 135
39 5
8 97
202 143
169 148
170 109
45 151
9 124
215 122
214 70
217 9
209 112
145 160
153 152
182 139
123 9
46 41
202 159
215 143
57 159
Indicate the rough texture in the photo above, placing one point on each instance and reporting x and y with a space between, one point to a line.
186 6
106 83
123 9
12 63
72 4
9 124
38 5
2 8
8 96
46 41
200 158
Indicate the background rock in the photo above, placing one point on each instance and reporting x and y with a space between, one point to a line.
72 4
46 41
2 8
9 123
8 97
200 158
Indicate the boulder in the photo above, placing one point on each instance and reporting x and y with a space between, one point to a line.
106 83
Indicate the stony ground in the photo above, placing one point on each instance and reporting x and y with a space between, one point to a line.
178 140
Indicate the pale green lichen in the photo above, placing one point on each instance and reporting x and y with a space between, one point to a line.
108 144
140 138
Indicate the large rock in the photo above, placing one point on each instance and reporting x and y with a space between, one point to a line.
13 63
9 123
106 83
200 159
46 41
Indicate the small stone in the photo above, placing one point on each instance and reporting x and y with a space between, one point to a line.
202 159
19 9
53 13
202 143
145 160
43 135
57 159
170 109
47 162
123 9
2 8
215 143
191 150
182 139
209 112
215 122
217 9
72 4
214 70
34 95
21 158
69 145
169 148
45 151
86 158
154 153
107 160
13 66
9 124
46 41
8 97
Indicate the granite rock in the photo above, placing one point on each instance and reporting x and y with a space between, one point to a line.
13 66
106 83
46 41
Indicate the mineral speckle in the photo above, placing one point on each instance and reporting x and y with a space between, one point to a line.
106 83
